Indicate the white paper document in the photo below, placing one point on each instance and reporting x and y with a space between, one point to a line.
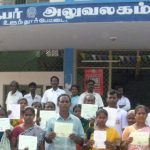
148 119
99 139
15 111
29 142
63 129
4 124
45 116
36 111
140 138
88 111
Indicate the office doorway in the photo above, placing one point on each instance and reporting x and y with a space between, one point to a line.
136 86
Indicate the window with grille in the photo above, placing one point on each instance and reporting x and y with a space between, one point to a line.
20 1
7 2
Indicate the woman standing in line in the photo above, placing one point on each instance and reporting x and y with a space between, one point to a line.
28 128
138 127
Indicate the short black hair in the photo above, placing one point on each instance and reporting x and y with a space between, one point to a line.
22 99
101 110
76 106
32 84
75 85
51 103
17 84
141 106
88 81
34 103
29 108
55 78
58 99
112 92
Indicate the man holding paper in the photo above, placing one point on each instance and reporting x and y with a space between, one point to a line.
117 117
89 107
90 90
64 130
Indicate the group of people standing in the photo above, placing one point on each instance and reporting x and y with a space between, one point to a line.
114 126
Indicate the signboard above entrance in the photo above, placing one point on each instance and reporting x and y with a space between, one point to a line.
74 13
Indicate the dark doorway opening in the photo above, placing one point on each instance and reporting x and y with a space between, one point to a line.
136 85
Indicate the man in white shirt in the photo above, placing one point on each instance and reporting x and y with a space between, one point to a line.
53 93
117 117
14 95
123 102
90 90
32 96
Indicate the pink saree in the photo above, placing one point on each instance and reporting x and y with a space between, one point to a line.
140 147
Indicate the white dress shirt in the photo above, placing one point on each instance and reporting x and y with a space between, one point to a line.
30 99
121 119
98 99
13 98
124 101
52 95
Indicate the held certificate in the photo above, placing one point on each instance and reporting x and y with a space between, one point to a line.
4 124
29 142
15 111
148 119
46 115
140 138
88 111
99 139
63 129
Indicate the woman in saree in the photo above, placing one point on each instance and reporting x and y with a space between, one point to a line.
140 128
28 128
112 136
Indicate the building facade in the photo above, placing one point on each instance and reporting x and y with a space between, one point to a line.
108 38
